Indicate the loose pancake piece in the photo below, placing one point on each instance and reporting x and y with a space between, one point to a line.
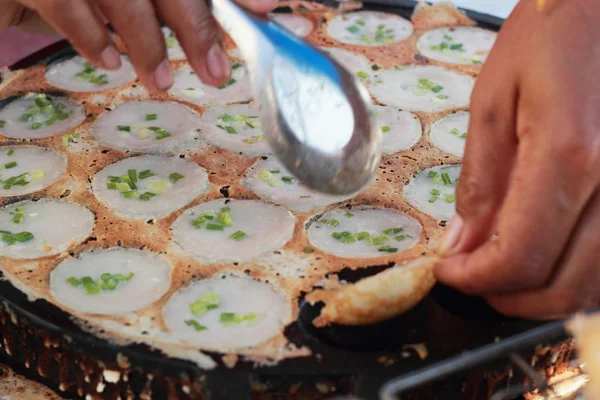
400 129
271 181
460 45
147 187
232 231
449 134
227 312
77 75
236 128
38 115
174 49
27 169
422 88
147 125
33 229
586 331
296 24
188 87
433 191
364 232
369 28
113 281
376 298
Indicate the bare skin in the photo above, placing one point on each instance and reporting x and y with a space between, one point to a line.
83 23
531 169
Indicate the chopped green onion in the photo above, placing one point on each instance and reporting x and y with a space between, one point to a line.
433 199
151 117
457 46
401 237
22 237
224 218
73 281
215 227
130 194
360 22
388 249
2 123
432 174
230 129
274 171
442 96
238 235
393 231
437 89
464 135
194 324
448 37
362 75
146 174
363 235
396 68
435 192
132 173
228 83
353 29
378 240
225 118
385 129
455 132
121 186
349 239
236 66
446 178
288 179
26 117
18 218
36 125
146 196
308 250
10 152
124 128
10 165
375 67
450 198
349 215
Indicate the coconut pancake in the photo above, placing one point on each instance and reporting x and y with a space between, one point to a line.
460 45
38 115
78 75
148 125
273 247
449 134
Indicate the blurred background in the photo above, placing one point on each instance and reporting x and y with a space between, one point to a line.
17 45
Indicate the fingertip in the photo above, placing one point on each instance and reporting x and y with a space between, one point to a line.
110 57
260 6
215 67
163 75
451 239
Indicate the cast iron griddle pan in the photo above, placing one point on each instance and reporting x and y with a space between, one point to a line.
459 332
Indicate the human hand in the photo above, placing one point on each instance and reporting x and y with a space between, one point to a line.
531 170
83 23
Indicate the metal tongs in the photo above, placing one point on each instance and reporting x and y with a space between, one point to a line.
315 114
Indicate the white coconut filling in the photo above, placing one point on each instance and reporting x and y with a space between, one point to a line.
78 75
433 191
174 49
27 169
28 229
296 24
37 116
233 231
227 312
400 130
460 45
272 182
114 281
449 134
236 128
368 28
148 187
188 87
364 232
355 63
422 88
147 125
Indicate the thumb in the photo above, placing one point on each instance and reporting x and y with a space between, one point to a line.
489 156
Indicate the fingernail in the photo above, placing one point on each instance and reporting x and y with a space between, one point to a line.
451 236
110 57
163 75
218 65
